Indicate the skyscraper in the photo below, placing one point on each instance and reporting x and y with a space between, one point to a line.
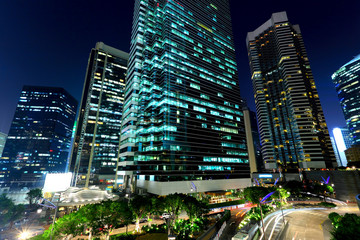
3 137
337 156
347 84
39 137
342 142
96 143
291 121
183 117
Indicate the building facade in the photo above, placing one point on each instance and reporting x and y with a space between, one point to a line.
347 85
353 156
342 142
39 137
183 117
95 150
3 137
292 126
337 156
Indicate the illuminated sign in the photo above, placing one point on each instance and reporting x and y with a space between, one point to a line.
265 175
57 182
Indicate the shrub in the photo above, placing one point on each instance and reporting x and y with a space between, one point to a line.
326 204
154 228
123 236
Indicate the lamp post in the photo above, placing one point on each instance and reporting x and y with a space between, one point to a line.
262 220
282 212
51 205
261 213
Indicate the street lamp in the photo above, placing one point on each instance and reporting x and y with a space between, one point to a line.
51 205
282 212
262 218
24 235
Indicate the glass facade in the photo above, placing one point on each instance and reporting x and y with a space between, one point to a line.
347 85
3 137
182 116
96 142
292 126
40 135
342 142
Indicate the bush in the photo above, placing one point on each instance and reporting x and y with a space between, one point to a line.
123 236
326 204
154 228
345 227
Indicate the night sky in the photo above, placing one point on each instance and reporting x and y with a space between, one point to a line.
48 43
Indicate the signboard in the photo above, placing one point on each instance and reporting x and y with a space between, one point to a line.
265 175
57 182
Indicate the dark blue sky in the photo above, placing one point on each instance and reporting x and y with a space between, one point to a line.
48 42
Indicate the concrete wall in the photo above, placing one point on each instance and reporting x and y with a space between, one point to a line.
346 183
165 188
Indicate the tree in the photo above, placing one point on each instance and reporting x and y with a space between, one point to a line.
6 204
194 208
113 214
69 225
33 195
89 213
321 189
254 194
283 194
345 227
9 212
139 207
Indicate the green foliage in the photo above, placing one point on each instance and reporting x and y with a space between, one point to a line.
9 212
327 204
194 208
255 214
329 189
140 206
70 224
345 227
253 194
123 236
33 195
226 217
238 194
225 204
154 228
184 229
100 218
335 219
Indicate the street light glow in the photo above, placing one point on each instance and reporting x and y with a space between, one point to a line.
24 235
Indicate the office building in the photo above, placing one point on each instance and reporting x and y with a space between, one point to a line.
183 120
353 156
347 85
337 156
3 137
39 137
292 126
342 142
96 142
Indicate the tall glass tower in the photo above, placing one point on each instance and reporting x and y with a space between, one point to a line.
342 142
291 120
39 137
183 117
347 84
96 143
3 138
